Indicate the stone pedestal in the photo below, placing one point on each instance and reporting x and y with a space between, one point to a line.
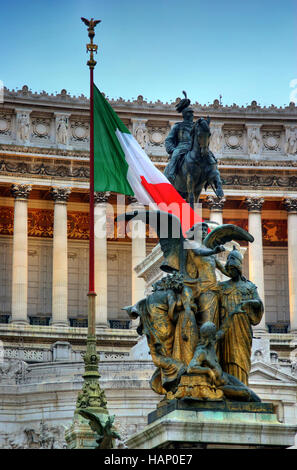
79 435
213 425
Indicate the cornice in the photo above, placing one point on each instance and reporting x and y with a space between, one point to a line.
26 95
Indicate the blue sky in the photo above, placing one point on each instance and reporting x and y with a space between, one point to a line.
243 49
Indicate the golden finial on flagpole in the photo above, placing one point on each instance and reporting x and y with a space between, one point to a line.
91 47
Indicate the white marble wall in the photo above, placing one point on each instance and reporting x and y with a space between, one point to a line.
45 394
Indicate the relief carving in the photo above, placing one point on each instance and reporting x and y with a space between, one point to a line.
79 131
23 126
254 140
216 139
62 130
271 141
233 139
291 141
40 127
5 125
140 132
157 135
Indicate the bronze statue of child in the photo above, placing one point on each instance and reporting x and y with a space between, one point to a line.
205 362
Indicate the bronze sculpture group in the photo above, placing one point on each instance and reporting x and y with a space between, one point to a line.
199 330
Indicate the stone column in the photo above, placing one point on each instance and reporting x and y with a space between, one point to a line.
100 199
20 254
60 258
216 206
291 207
138 230
256 264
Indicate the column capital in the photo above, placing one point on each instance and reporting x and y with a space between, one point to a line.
254 203
21 191
60 194
101 197
214 203
290 204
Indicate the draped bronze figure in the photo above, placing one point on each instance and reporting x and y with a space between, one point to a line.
198 329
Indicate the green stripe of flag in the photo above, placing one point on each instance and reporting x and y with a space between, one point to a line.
110 166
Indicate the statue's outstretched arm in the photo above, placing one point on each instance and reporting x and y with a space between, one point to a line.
221 268
203 251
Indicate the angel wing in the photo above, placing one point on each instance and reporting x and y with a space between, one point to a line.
225 233
85 21
94 419
169 232
90 22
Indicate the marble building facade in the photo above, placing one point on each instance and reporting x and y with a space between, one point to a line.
44 141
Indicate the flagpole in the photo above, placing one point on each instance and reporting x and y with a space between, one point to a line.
91 397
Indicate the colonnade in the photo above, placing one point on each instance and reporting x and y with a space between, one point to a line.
60 196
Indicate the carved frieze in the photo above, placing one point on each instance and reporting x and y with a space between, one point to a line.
78 225
258 181
23 126
6 220
5 124
40 223
79 131
140 132
254 140
275 232
62 126
233 139
41 128
271 141
216 139
157 135
291 141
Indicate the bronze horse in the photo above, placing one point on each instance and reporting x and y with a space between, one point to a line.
198 167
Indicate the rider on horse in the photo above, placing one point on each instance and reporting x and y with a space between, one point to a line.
178 141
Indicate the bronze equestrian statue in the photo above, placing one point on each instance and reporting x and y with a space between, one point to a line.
192 165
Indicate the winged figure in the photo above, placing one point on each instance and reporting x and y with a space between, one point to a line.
195 260
102 425
90 23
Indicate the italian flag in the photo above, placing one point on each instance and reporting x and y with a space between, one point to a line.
122 166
